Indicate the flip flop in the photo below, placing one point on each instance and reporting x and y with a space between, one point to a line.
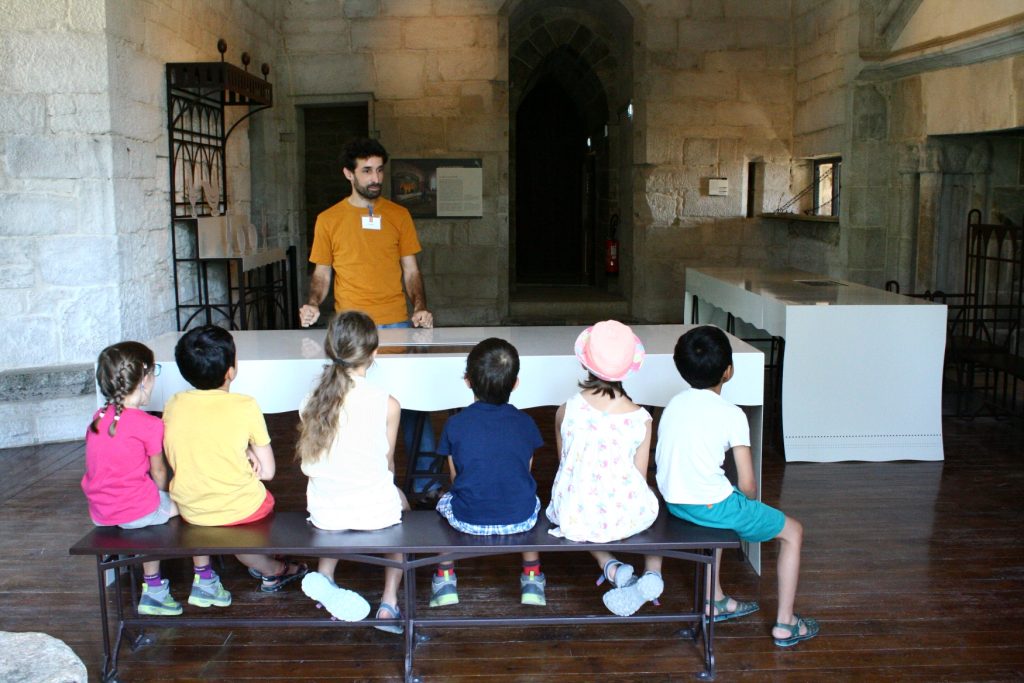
794 631
341 603
395 616
279 581
742 609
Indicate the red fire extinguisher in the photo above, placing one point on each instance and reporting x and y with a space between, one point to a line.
611 248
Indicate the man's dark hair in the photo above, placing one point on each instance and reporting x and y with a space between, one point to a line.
492 368
204 354
702 356
361 148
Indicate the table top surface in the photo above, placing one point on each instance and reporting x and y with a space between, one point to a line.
799 288
530 341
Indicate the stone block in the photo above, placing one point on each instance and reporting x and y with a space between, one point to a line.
439 33
755 33
405 8
477 135
89 16
705 35
376 34
331 74
769 9
470 64
462 8
361 9
418 135
38 62
334 25
465 260
687 85
706 9
77 261
58 157
663 208
43 15
661 35
32 342
700 152
325 46
48 382
479 232
765 88
23 114
437 107
17 428
79 113
399 75
61 419
85 318
312 9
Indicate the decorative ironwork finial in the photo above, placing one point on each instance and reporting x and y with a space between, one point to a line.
222 47
245 60
265 70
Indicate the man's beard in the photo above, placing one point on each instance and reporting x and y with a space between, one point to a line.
371 191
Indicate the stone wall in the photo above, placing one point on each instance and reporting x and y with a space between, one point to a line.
83 186
436 75
715 92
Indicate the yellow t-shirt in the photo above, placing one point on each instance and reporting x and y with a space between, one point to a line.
206 434
367 269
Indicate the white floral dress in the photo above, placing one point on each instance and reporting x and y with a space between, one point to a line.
598 494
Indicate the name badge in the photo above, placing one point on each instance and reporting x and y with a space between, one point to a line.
371 222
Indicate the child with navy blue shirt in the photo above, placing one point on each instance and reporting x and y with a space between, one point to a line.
490 446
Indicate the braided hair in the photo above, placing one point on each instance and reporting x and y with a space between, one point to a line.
120 369
351 341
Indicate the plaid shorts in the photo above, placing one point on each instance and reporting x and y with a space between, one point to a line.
444 506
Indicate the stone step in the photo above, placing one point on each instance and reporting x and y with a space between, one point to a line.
569 306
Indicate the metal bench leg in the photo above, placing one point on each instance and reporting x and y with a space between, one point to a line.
708 621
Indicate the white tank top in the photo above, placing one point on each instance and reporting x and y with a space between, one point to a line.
350 486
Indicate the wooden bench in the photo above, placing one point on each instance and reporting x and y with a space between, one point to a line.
423 538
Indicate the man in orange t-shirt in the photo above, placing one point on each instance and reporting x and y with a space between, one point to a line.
370 243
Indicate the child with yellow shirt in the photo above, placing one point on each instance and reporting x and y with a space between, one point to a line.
218 446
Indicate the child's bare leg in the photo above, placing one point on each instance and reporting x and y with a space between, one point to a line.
267 565
788 568
151 568
531 557
610 571
392 580
326 566
652 563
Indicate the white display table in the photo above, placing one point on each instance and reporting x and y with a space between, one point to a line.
862 377
424 368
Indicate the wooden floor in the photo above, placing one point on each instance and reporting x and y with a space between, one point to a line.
915 571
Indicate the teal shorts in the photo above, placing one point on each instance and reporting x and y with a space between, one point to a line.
751 519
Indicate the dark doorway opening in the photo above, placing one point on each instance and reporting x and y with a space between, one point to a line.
327 129
551 244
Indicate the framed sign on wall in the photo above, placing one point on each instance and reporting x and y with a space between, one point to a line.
438 188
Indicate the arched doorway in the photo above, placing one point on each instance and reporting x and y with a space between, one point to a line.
570 71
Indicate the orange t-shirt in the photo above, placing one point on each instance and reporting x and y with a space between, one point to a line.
367 267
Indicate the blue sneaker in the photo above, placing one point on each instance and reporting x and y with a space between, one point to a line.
208 593
443 589
158 602
531 588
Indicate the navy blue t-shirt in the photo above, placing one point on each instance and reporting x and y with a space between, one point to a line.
492 446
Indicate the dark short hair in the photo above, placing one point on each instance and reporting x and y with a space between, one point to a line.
204 355
702 356
492 368
361 148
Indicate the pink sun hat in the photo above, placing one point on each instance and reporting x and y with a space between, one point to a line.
610 350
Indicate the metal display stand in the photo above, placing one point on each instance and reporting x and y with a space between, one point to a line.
241 289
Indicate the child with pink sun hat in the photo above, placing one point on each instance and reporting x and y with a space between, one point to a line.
600 491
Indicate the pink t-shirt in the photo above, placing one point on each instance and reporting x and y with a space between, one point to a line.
117 482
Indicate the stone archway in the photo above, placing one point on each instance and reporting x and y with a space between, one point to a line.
571 80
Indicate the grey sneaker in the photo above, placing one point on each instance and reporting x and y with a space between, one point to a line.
531 587
158 602
208 593
444 589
